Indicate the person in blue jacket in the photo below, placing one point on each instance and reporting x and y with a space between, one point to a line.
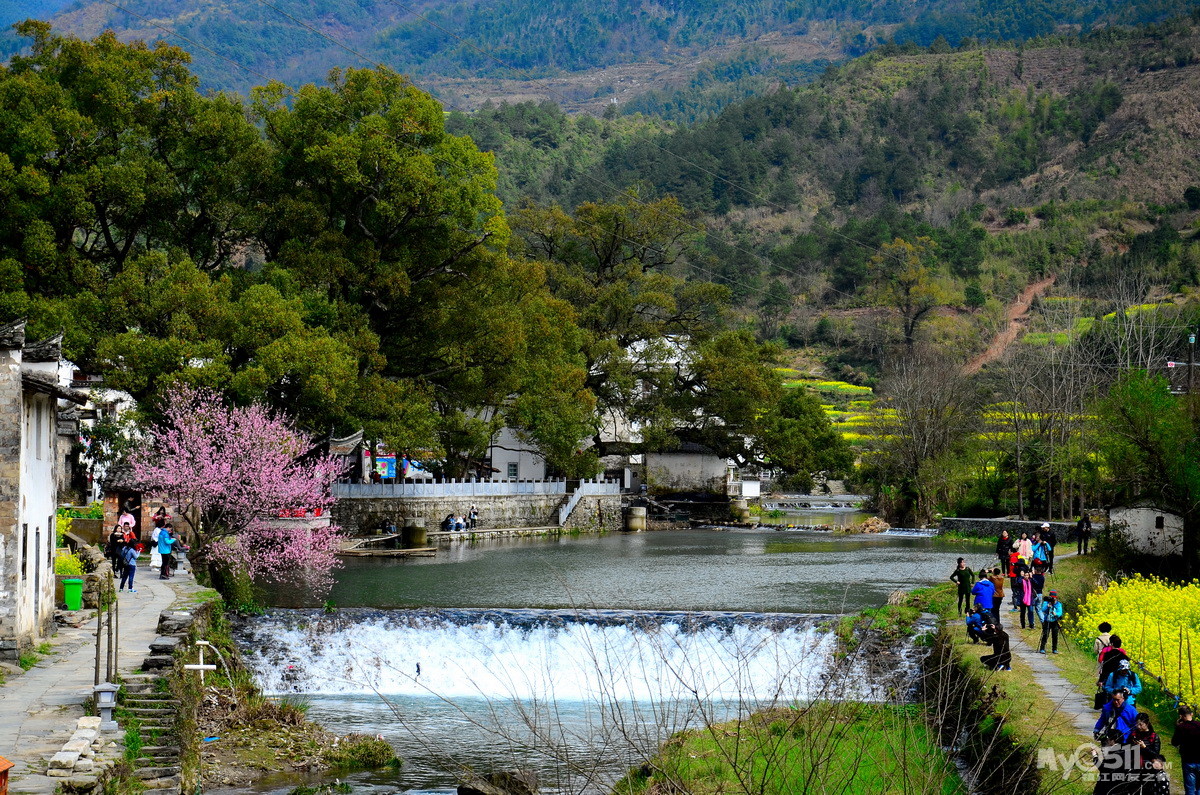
1119 715
975 624
1051 613
985 595
1124 678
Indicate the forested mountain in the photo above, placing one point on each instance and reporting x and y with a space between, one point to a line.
587 52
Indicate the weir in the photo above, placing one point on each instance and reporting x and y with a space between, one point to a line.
751 659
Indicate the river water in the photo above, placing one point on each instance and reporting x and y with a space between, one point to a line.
578 655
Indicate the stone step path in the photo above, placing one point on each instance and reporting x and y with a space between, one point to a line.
38 710
1060 692
1064 695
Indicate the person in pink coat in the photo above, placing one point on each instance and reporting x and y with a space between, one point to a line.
1025 548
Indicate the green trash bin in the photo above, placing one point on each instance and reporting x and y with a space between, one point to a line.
73 594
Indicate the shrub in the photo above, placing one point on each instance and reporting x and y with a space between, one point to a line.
362 751
68 565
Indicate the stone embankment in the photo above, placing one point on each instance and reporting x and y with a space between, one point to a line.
991 528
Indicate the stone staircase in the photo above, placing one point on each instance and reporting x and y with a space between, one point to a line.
158 766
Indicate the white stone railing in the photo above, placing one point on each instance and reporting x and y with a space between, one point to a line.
587 488
465 488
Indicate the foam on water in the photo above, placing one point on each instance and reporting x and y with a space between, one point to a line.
614 656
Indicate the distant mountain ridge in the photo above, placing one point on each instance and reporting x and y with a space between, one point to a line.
590 51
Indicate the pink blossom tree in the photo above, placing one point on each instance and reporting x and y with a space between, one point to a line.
231 472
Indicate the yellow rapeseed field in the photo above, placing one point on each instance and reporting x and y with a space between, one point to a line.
1159 625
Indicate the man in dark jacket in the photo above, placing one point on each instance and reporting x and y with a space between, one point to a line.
963 577
1004 548
1001 657
1187 740
1083 534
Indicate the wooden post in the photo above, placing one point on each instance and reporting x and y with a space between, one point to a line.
108 669
99 636
1191 669
1162 658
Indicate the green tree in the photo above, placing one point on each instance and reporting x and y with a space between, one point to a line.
797 438
656 352
909 281
1147 438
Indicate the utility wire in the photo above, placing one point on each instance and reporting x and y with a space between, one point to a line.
292 93
770 265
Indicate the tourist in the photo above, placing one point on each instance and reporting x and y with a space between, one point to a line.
448 523
1155 780
161 516
1025 547
1102 640
112 551
126 517
129 558
1041 551
1110 659
1004 547
1039 584
975 625
1187 739
155 555
1083 534
166 544
1050 612
1026 598
1014 578
1117 715
1051 540
1124 678
997 580
1001 657
1112 762
985 596
1143 736
962 576
472 516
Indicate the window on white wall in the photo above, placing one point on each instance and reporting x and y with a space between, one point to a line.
24 552
37 428
512 470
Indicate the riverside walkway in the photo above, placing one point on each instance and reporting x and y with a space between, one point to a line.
38 709
1064 695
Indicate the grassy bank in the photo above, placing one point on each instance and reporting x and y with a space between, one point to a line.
1074 579
257 735
1017 722
835 747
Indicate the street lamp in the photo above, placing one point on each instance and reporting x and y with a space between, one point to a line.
106 702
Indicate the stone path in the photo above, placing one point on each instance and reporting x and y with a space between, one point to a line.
1078 706
1058 690
38 710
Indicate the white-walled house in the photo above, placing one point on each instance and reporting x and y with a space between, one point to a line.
29 399
1148 528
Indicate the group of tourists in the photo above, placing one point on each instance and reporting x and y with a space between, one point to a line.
459 523
1129 759
1024 564
125 546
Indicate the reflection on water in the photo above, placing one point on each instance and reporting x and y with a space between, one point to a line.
701 570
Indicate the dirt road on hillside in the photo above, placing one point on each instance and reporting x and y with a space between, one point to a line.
1017 316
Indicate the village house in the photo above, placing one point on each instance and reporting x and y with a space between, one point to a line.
29 402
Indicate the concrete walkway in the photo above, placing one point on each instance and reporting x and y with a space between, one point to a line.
38 710
1060 692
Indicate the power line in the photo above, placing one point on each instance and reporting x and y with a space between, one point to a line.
696 228
551 90
291 92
